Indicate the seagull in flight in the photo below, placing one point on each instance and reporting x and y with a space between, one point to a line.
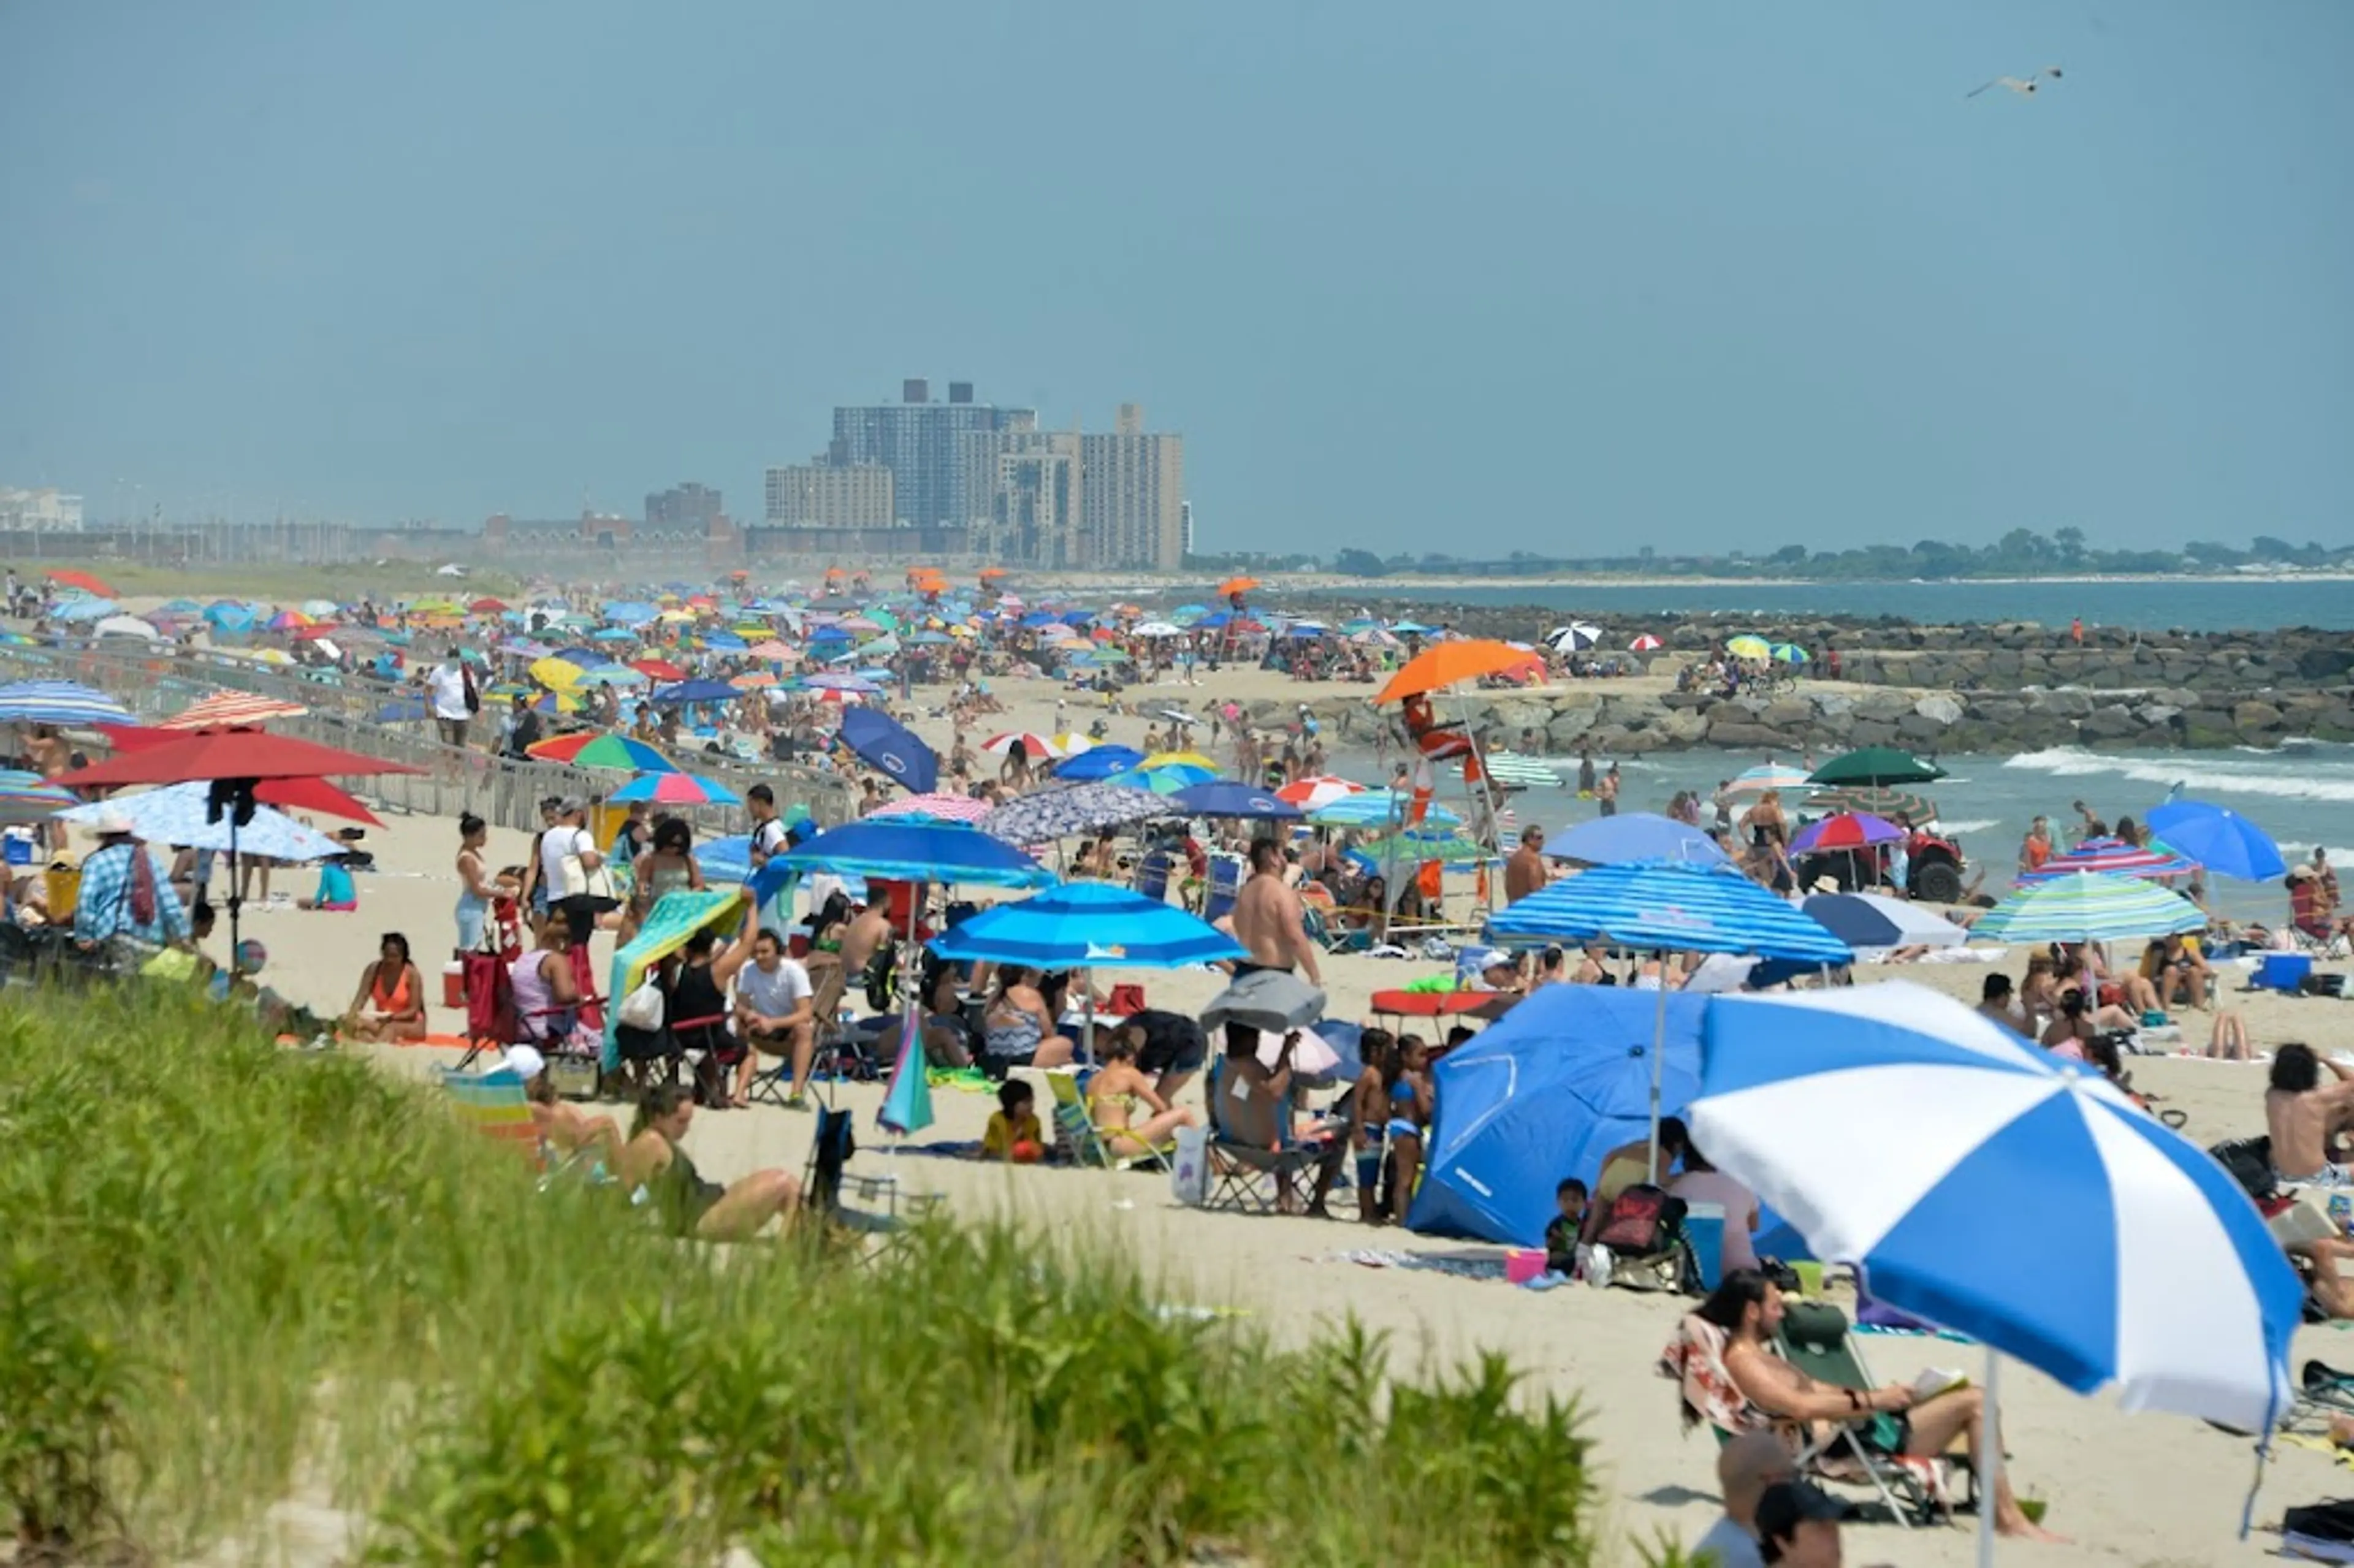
2025 85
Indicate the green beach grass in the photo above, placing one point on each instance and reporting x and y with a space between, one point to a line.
230 1274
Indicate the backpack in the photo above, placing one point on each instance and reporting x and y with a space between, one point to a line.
2250 1162
1644 1221
2330 1523
881 972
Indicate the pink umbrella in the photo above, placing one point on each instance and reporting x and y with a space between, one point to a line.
940 805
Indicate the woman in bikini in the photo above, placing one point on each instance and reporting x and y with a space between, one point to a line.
689 1205
390 1002
1017 1030
1117 1093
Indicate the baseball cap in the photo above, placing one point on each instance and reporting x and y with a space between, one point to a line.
1494 956
571 803
527 1063
1787 1504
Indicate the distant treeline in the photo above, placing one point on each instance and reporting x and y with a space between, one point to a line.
2021 553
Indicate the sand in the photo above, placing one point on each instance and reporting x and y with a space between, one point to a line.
2136 1490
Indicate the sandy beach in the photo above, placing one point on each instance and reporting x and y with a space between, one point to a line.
2132 1490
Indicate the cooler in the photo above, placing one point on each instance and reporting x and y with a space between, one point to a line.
453 984
1704 1233
2283 971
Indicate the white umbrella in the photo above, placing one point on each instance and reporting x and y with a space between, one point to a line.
128 626
1577 634
1158 628
176 814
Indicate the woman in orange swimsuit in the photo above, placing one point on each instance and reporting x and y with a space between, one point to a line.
390 1005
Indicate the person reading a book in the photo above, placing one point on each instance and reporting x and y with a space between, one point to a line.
1776 1396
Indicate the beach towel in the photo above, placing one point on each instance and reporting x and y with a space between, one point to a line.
1694 1361
678 916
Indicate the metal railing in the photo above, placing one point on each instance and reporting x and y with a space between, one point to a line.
345 712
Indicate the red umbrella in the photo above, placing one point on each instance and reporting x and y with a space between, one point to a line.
82 580
238 761
658 668
287 794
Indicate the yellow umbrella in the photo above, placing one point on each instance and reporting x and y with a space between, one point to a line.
1749 646
1176 759
676 616
557 674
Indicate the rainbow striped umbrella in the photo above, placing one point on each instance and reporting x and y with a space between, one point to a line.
677 789
29 798
615 751
2114 857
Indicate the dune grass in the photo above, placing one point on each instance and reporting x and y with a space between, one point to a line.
231 1274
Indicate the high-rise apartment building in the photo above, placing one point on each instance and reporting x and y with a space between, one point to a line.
1131 497
820 495
918 440
683 507
1023 487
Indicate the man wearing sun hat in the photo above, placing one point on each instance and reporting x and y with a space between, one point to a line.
126 910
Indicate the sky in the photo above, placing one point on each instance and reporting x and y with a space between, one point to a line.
1550 277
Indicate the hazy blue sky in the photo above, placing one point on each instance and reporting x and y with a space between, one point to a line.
1558 277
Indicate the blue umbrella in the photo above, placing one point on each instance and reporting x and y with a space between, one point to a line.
1636 835
1098 762
1671 907
59 701
1082 924
890 745
1545 1093
84 609
914 849
2218 838
176 814
1897 1130
1229 798
725 861
1378 808
694 692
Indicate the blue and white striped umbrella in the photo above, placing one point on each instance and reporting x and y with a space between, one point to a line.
2002 1192
175 814
1675 905
2089 907
59 701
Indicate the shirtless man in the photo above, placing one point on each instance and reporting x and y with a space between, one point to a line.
869 930
1526 871
1268 921
2304 1114
51 756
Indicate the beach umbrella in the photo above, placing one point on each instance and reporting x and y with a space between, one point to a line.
692 691
1879 801
1233 586
1569 639
658 668
1423 842
2220 839
1231 797
1645 644
1273 1002
1034 745
613 751
1158 628
1081 925
1788 654
1070 743
1318 790
677 789
2112 857
2146 1271
1749 645
1844 831
883 742
1062 809
1669 906
556 673
179 607
1769 776
1876 766
1876 920
1165 779
2089 907
1161 760
611 676
914 849
177 814
940 807
29 798
231 708
1098 762
853 685
1527 772
59 701
230 616
1634 836
67 577
84 609
1377 808
1450 664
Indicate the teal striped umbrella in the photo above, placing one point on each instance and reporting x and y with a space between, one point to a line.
1513 768
29 798
2089 907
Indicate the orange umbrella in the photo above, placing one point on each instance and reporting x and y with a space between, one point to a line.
990 574
1449 662
1236 585
82 580
833 572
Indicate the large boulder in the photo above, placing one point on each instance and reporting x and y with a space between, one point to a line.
1884 704
2255 719
1941 707
1568 726
1917 729
1747 735
1793 714
1680 727
2112 722
1872 732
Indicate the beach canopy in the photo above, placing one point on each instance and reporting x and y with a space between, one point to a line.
914 849
176 814
59 701
1878 767
1671 906
2146 1267
1876 920
1082 924
1545 1093
2220 839
1450 664
885 743
1632 836
2089 907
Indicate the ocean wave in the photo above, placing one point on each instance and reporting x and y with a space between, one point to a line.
1968 825
2304 780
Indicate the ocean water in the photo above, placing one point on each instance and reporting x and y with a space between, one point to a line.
2154 605
2299 794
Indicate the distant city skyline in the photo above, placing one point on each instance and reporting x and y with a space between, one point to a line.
1583 273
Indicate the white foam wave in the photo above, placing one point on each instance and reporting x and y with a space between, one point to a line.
2306 779
1968 825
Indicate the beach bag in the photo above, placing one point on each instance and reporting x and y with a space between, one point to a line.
580 882
1189 1166
2329 1525
2249 1161
1644 1221
642 1008
473 693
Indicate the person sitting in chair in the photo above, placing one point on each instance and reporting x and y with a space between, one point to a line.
776 1012
1253 1108
689 1205
542 981
1119 1092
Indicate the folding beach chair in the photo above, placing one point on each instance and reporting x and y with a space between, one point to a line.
1816 1340
827 1179
1087 1144
1250 1177
494 1105
833 1058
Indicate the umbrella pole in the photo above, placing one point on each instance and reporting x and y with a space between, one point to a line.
1087 1016
1658 1056
1990 1458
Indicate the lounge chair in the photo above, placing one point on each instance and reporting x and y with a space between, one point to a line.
1816 1339
1082 1140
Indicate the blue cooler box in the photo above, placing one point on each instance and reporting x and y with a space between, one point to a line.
1704 1230
2283 971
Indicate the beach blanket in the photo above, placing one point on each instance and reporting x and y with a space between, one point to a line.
668 924
1694 1361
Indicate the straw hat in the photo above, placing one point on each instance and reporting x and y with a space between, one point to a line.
113 824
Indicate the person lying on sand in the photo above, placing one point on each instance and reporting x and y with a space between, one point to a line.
689 1205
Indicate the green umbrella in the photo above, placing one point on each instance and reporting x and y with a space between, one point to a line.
1878 765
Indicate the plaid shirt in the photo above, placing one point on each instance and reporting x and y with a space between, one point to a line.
103 907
